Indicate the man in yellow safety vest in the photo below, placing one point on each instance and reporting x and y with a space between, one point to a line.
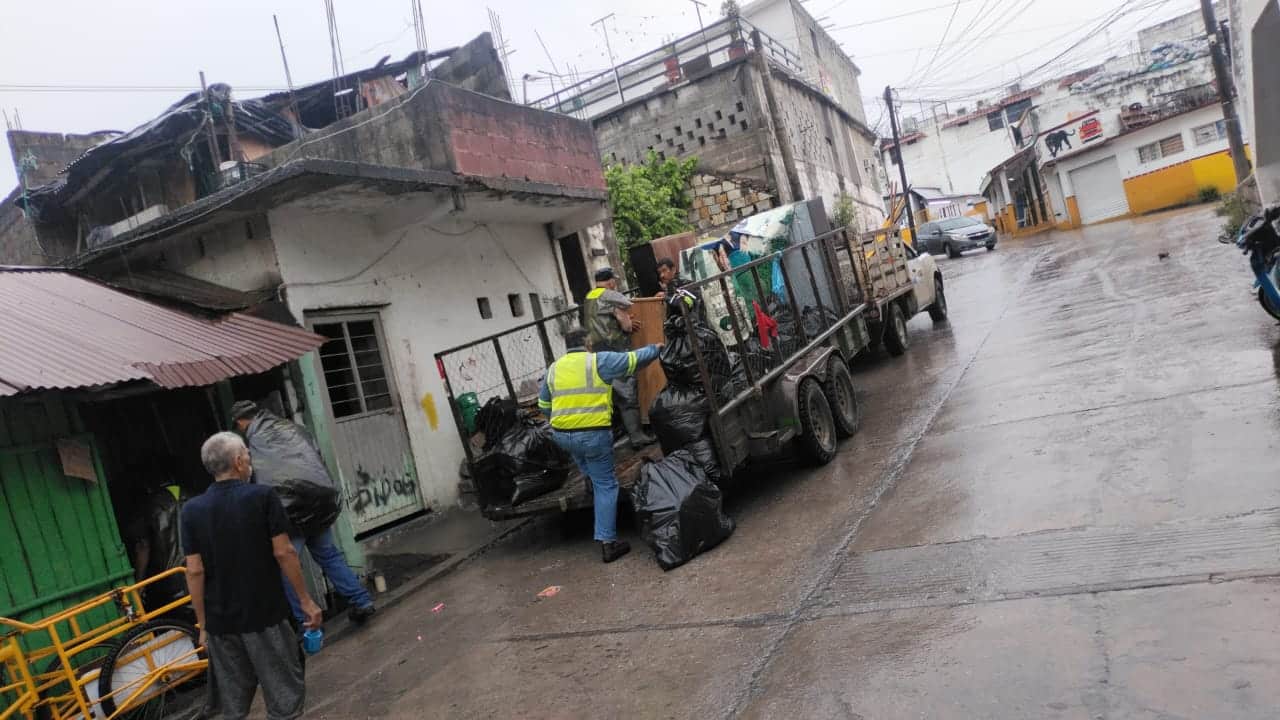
577 397
609 326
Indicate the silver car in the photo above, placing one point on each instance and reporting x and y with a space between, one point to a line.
955 235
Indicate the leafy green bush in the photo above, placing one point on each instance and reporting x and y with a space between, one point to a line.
1236 211
648 200
1209 194
842 214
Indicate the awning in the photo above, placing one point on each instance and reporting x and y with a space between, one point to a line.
63 331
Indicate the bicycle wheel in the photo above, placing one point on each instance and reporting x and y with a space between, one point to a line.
135 667
82 663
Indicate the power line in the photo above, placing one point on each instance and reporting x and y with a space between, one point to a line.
888 18
945 32
1103 21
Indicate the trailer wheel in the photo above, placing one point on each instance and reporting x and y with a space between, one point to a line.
840 396
895 330
818 442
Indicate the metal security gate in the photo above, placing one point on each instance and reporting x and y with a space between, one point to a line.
1099 191
378 473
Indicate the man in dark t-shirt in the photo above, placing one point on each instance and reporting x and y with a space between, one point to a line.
236 539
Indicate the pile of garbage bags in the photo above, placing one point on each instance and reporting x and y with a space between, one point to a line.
520 460
678 509
680 412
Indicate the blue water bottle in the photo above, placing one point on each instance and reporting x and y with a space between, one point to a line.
312 641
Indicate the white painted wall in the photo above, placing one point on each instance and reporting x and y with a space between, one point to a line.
954 159
827 67
236 255
1125 147
1257 74
427 275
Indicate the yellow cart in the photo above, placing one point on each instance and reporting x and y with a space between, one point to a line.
127 667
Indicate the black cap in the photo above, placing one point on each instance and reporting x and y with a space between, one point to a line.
604 273
243 409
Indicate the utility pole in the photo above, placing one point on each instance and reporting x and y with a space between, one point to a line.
616 79
1225 93
902 166
775 118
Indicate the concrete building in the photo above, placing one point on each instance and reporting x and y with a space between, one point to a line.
768 123
988 148
1257 74
429 216
1135 171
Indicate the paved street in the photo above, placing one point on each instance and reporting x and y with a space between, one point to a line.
1062 505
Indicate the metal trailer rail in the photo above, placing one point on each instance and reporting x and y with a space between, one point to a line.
826 274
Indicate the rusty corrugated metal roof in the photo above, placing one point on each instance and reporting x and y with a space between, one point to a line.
64 331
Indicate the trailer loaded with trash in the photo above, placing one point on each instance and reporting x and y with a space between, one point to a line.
755 362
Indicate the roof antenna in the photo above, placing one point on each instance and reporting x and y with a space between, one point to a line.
288 78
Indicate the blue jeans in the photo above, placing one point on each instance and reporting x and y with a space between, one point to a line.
593 452
334 564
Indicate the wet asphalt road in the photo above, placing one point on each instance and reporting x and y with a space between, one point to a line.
1063 504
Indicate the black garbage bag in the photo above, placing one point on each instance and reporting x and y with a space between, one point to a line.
311 507
524 463
494 418
284 450
680 364
817 320
678 509
703 452
678 416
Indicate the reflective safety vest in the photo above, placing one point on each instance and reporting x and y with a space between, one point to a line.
580 398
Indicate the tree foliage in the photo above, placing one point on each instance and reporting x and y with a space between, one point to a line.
648 199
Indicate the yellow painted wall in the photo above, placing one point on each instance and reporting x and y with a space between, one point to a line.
1181 183
1163 188
979 210
1215 171
1073 212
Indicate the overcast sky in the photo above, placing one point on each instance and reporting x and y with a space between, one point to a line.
150 52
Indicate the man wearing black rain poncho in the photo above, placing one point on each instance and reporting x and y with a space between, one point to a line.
286 457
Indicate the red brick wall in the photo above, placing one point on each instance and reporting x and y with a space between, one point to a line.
494 138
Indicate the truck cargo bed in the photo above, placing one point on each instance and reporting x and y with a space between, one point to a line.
573 494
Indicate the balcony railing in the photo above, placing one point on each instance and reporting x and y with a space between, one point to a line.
690 56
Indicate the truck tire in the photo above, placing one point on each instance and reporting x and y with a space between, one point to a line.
818 441
938 310
840 396
895 330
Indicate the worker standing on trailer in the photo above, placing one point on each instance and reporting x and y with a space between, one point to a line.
577 397
609 327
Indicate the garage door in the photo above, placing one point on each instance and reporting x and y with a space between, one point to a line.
1099 191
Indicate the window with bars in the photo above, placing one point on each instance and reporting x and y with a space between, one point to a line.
1212 132
1151 152
354 371
1171 145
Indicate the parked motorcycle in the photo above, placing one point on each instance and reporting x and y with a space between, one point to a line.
1259 240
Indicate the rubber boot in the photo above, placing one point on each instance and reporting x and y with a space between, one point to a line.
635 430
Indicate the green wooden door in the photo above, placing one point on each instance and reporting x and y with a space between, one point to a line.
58 534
